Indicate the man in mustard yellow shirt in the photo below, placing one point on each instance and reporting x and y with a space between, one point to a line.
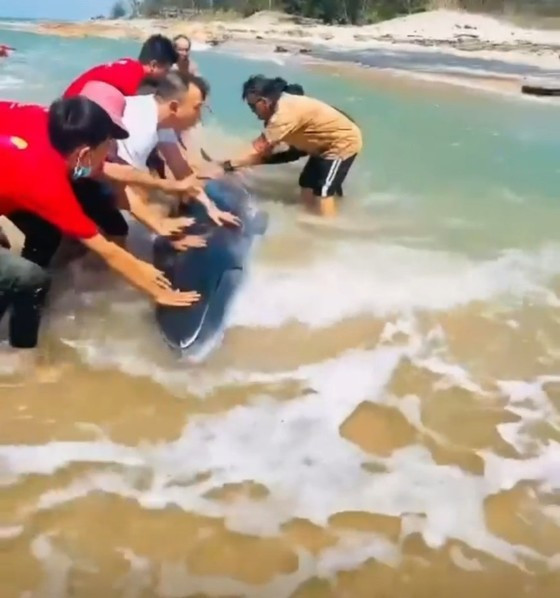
310 127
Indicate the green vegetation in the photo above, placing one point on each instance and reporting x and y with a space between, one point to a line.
118 11
340 11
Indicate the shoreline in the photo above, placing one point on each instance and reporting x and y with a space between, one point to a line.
455 48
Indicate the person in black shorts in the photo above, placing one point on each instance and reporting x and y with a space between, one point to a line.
310 127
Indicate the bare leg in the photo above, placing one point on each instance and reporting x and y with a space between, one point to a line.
326 206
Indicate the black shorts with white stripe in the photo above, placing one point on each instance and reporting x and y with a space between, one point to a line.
325 176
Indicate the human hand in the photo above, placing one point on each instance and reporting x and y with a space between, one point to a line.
156 284
189 185
173 226
220 217
173 298
189 242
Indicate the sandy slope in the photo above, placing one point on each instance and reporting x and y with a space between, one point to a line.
447 25
437 26
429 35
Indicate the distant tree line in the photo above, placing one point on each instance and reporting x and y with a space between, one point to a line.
332 11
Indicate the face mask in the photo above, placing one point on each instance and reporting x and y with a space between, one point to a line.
81 172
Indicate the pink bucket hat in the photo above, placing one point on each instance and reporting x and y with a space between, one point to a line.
111 100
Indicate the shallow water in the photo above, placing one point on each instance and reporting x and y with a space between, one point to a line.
383 416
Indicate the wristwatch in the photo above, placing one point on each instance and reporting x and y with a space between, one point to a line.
228 166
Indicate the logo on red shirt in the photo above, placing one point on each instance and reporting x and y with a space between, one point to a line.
13 141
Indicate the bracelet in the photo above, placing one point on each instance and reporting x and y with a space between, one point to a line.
228 166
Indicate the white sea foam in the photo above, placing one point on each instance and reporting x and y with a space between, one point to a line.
254 52
366 278
17 25
504 474
10 82
295 449
335 281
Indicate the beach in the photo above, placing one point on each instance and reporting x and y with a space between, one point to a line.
443 44
382 415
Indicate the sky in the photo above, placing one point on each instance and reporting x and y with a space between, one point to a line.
54 9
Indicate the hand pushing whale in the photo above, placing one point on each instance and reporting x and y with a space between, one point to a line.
215 271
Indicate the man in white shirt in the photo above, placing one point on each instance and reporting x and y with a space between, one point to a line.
142 112
152 121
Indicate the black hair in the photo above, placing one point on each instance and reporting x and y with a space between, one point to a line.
295 89
148 86
253 85
77 121
160 49
182 36
271 89
173 84
199 82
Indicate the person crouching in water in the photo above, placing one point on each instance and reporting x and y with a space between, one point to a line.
43 151
310 127
185 64
172 104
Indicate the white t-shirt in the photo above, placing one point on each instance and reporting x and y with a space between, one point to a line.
141 119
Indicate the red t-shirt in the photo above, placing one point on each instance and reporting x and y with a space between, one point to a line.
34 176
125 74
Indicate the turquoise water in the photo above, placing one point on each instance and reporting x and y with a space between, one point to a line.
402 366
458 157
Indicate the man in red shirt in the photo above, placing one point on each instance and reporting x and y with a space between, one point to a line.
156 58
41 151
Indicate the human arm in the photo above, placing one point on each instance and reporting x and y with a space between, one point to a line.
175 160
278 130
214 169
58 205
290 155
262 153
127 174
137 198
180 168
139 274
266 157
260 150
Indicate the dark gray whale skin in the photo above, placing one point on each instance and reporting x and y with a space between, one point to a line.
215 271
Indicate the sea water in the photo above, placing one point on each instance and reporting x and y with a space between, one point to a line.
383 414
